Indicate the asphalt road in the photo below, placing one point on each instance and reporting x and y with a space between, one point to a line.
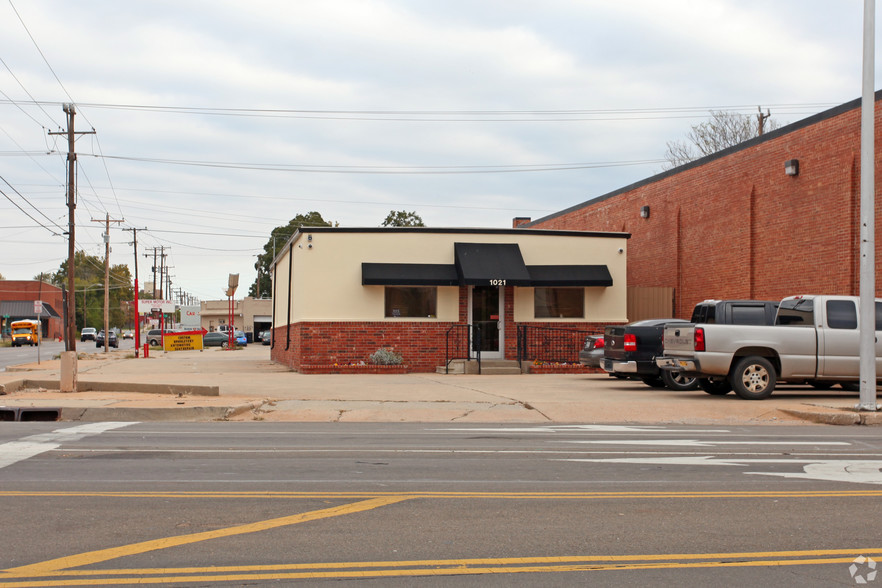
217 504
48 350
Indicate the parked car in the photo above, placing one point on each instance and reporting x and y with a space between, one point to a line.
591 354
154 337
112 341
88 334
215 339
630 351
222 339
266 337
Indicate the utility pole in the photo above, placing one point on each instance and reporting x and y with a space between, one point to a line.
761 120
71 331
137 314
107 277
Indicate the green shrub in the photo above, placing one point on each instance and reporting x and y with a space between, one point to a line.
384 356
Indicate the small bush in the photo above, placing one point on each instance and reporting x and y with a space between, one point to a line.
385 357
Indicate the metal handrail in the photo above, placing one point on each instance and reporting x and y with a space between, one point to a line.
472 335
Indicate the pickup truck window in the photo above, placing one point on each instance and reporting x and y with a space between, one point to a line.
796 313
841 314
748 315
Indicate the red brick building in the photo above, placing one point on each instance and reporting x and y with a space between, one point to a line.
17 302
735 224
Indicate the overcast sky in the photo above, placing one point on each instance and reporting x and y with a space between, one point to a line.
217 121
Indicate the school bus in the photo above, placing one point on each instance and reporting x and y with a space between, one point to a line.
25 333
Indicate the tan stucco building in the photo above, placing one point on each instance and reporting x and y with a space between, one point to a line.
342 293
250 315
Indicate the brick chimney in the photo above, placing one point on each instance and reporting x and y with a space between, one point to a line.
520 220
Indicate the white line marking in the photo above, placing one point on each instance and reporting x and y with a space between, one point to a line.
16 451
697 443
853 471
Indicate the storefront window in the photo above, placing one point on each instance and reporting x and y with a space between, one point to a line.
559 302
402 302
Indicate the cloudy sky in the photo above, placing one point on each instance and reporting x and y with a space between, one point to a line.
217 121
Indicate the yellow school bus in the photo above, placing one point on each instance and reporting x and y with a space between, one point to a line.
25 333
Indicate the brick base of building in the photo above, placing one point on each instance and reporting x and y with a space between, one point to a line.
346 347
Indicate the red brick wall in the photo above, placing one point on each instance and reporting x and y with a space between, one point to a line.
22 290
738 227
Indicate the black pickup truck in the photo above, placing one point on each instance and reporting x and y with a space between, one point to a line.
630 350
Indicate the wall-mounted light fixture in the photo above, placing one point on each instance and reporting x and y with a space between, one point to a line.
309 237
644 212
791 167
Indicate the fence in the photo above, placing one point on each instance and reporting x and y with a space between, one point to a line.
550 344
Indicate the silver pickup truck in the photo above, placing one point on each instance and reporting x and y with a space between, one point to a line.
815 340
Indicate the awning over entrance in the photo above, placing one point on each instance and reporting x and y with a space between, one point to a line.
490 264
408 274
485 264
569 275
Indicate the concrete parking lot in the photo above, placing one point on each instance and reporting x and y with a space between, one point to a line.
245 385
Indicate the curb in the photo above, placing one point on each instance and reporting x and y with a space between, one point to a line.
86 386
837 418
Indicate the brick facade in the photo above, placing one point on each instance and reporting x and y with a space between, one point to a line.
30 290
340 346
733 225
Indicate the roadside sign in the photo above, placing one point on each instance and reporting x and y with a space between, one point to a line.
38 307
183 341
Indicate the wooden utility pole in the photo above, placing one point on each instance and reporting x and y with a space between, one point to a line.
761 120
71 330
107 277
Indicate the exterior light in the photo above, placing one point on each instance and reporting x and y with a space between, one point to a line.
644 212
791 167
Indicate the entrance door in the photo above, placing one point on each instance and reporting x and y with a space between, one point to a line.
486 309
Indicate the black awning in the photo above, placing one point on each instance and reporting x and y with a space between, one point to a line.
490 264
408 274
569 275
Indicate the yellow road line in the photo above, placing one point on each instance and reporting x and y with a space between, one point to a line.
456 567
156 544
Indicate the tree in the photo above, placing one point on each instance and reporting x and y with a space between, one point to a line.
89 295
724 129
402 218
263 284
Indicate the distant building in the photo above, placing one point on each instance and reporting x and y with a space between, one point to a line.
250 315
17 302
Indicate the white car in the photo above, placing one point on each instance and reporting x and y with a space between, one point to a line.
88 334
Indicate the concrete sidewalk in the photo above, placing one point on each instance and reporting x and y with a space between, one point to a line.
244 385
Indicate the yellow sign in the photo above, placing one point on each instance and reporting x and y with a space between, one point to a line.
182 341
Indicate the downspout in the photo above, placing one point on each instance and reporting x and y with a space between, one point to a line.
288 328
273 335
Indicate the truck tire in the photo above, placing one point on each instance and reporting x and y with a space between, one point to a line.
753 378
653 381
677 381
715 386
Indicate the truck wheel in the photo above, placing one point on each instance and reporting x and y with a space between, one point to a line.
753 378
715 386
675 380
653 381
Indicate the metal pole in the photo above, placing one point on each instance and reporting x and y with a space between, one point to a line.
868 217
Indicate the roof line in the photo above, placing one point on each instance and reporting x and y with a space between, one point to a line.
769 136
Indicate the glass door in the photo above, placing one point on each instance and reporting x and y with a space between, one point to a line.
486 313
